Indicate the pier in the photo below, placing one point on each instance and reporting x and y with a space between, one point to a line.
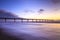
26 20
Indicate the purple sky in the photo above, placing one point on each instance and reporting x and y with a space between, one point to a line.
30 8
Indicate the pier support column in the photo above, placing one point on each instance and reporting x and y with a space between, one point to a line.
27 20
21 20
36 20
14 20
32 20
5 19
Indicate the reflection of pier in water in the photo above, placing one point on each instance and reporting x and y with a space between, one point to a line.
26 20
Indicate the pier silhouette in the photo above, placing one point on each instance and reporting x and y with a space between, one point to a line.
26 20
4 15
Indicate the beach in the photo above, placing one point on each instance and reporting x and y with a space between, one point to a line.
29 31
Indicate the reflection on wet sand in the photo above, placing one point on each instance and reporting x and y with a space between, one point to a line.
31 31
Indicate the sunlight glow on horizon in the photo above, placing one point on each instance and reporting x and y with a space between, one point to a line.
42 16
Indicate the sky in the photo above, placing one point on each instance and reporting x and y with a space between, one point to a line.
37 9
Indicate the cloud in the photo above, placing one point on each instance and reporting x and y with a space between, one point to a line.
55 1
27 11
40 11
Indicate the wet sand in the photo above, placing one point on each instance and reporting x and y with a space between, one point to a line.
14 31
22 36
5 36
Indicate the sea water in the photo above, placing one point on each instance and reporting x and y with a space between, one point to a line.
32 31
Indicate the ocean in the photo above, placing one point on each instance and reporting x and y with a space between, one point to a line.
31 31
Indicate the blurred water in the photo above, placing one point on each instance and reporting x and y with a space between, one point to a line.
32 31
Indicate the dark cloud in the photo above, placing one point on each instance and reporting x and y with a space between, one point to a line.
55 1
40 11
6 14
